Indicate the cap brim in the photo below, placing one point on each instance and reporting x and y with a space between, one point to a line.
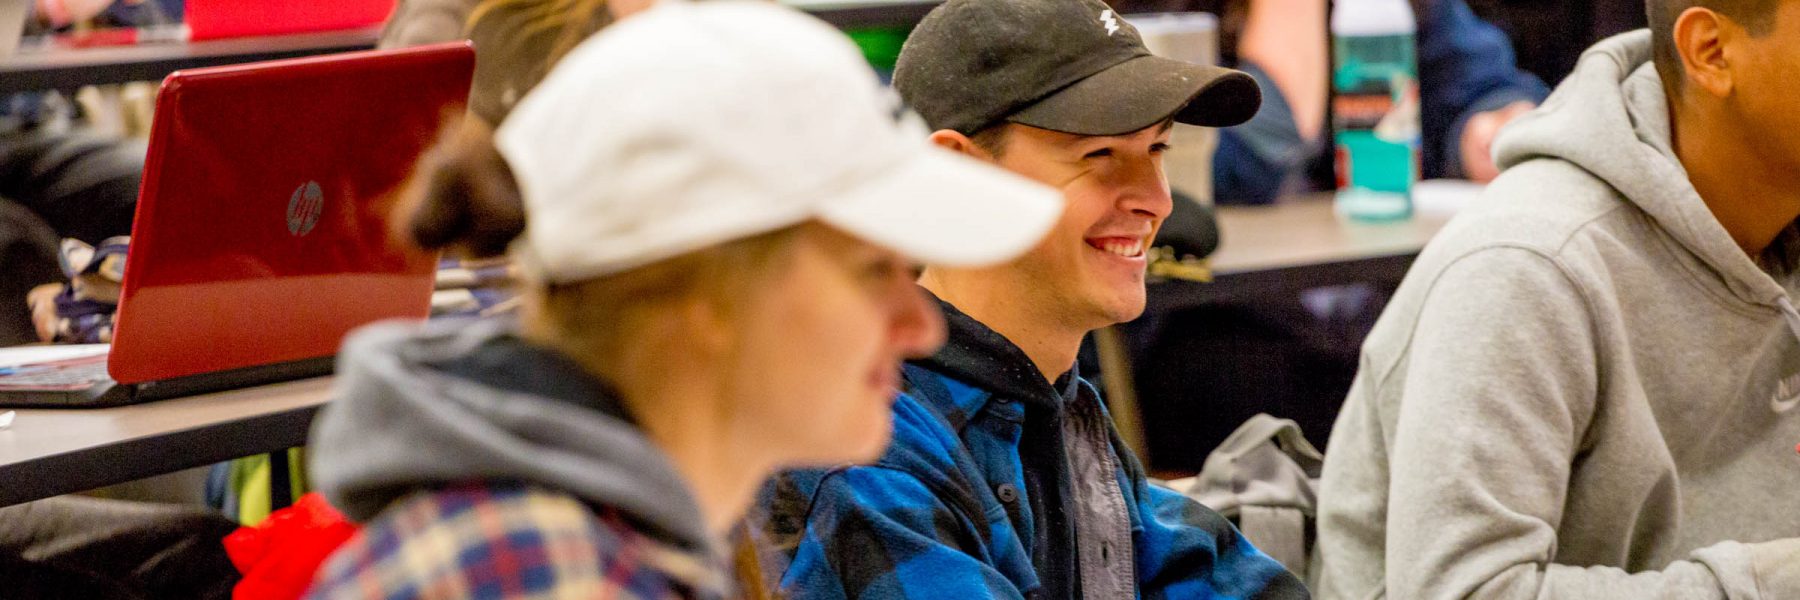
941 208
1144 91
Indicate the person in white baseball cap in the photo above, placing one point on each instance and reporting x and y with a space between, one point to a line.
717 207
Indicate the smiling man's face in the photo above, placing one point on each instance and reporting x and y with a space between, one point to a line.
1089 271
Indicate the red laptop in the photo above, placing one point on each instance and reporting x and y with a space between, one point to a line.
261 234
213 19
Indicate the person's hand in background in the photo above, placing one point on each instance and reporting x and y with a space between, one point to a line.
42 300
59 13
1478 140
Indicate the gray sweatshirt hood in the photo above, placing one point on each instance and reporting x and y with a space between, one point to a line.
1611 119
1583 389
458 402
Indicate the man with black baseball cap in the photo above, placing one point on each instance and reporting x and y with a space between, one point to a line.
1005 478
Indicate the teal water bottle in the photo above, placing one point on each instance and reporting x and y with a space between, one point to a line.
1375 108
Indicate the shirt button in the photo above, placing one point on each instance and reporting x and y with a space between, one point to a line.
1007 493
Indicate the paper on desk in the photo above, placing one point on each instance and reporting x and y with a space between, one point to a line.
24 355
6 419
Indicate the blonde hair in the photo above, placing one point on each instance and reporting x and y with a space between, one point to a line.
570 20
603 319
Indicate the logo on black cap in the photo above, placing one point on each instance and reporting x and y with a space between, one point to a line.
1111 22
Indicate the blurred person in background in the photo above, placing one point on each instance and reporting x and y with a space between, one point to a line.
516 41
1549 35
58 180
1468 80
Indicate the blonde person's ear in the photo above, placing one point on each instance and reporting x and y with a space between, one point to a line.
1702 38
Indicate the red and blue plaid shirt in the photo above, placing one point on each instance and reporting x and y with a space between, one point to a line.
511 541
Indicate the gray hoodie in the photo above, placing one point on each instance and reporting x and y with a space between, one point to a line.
460 402
1583 389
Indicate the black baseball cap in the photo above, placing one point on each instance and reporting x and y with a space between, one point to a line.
1073 66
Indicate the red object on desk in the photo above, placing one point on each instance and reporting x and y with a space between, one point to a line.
262 227
279 556
213 19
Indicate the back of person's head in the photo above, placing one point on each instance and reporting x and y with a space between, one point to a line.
518 41
1755 16
554 25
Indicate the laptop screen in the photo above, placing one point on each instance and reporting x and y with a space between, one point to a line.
261 234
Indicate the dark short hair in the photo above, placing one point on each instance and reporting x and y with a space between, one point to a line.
991 138
1757 16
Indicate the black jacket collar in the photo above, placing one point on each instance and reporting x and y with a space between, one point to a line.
980 356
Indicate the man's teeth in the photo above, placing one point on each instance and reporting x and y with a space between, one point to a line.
1126 249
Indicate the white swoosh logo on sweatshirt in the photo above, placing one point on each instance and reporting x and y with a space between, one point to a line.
1787 394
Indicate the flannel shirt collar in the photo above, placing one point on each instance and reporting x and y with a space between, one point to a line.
981 357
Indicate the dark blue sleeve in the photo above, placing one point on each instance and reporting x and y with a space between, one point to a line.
144 14
1466 67
1253 160
83 185
1179 539
880 533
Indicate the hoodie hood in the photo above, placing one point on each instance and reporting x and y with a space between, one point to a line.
976 354
1611 119
465 401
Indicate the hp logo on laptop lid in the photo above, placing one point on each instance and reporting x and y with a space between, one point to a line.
304 207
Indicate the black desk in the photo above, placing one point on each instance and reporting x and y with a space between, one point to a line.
1301 243
1297 244
1267 258
51 452
64 68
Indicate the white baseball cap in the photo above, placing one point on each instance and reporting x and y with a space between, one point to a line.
694 124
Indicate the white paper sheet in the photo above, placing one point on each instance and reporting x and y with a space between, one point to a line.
24 355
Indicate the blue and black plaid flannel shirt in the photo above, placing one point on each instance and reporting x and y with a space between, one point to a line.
948 512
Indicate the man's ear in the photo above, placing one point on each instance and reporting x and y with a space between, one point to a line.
954 141
1701 37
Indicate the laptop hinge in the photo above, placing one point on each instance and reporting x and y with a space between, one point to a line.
219 381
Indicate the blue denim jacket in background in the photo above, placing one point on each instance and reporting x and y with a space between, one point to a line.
1466 67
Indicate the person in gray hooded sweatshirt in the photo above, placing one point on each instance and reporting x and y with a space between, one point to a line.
721 205
1587 385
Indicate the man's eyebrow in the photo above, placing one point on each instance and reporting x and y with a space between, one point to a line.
1167 124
